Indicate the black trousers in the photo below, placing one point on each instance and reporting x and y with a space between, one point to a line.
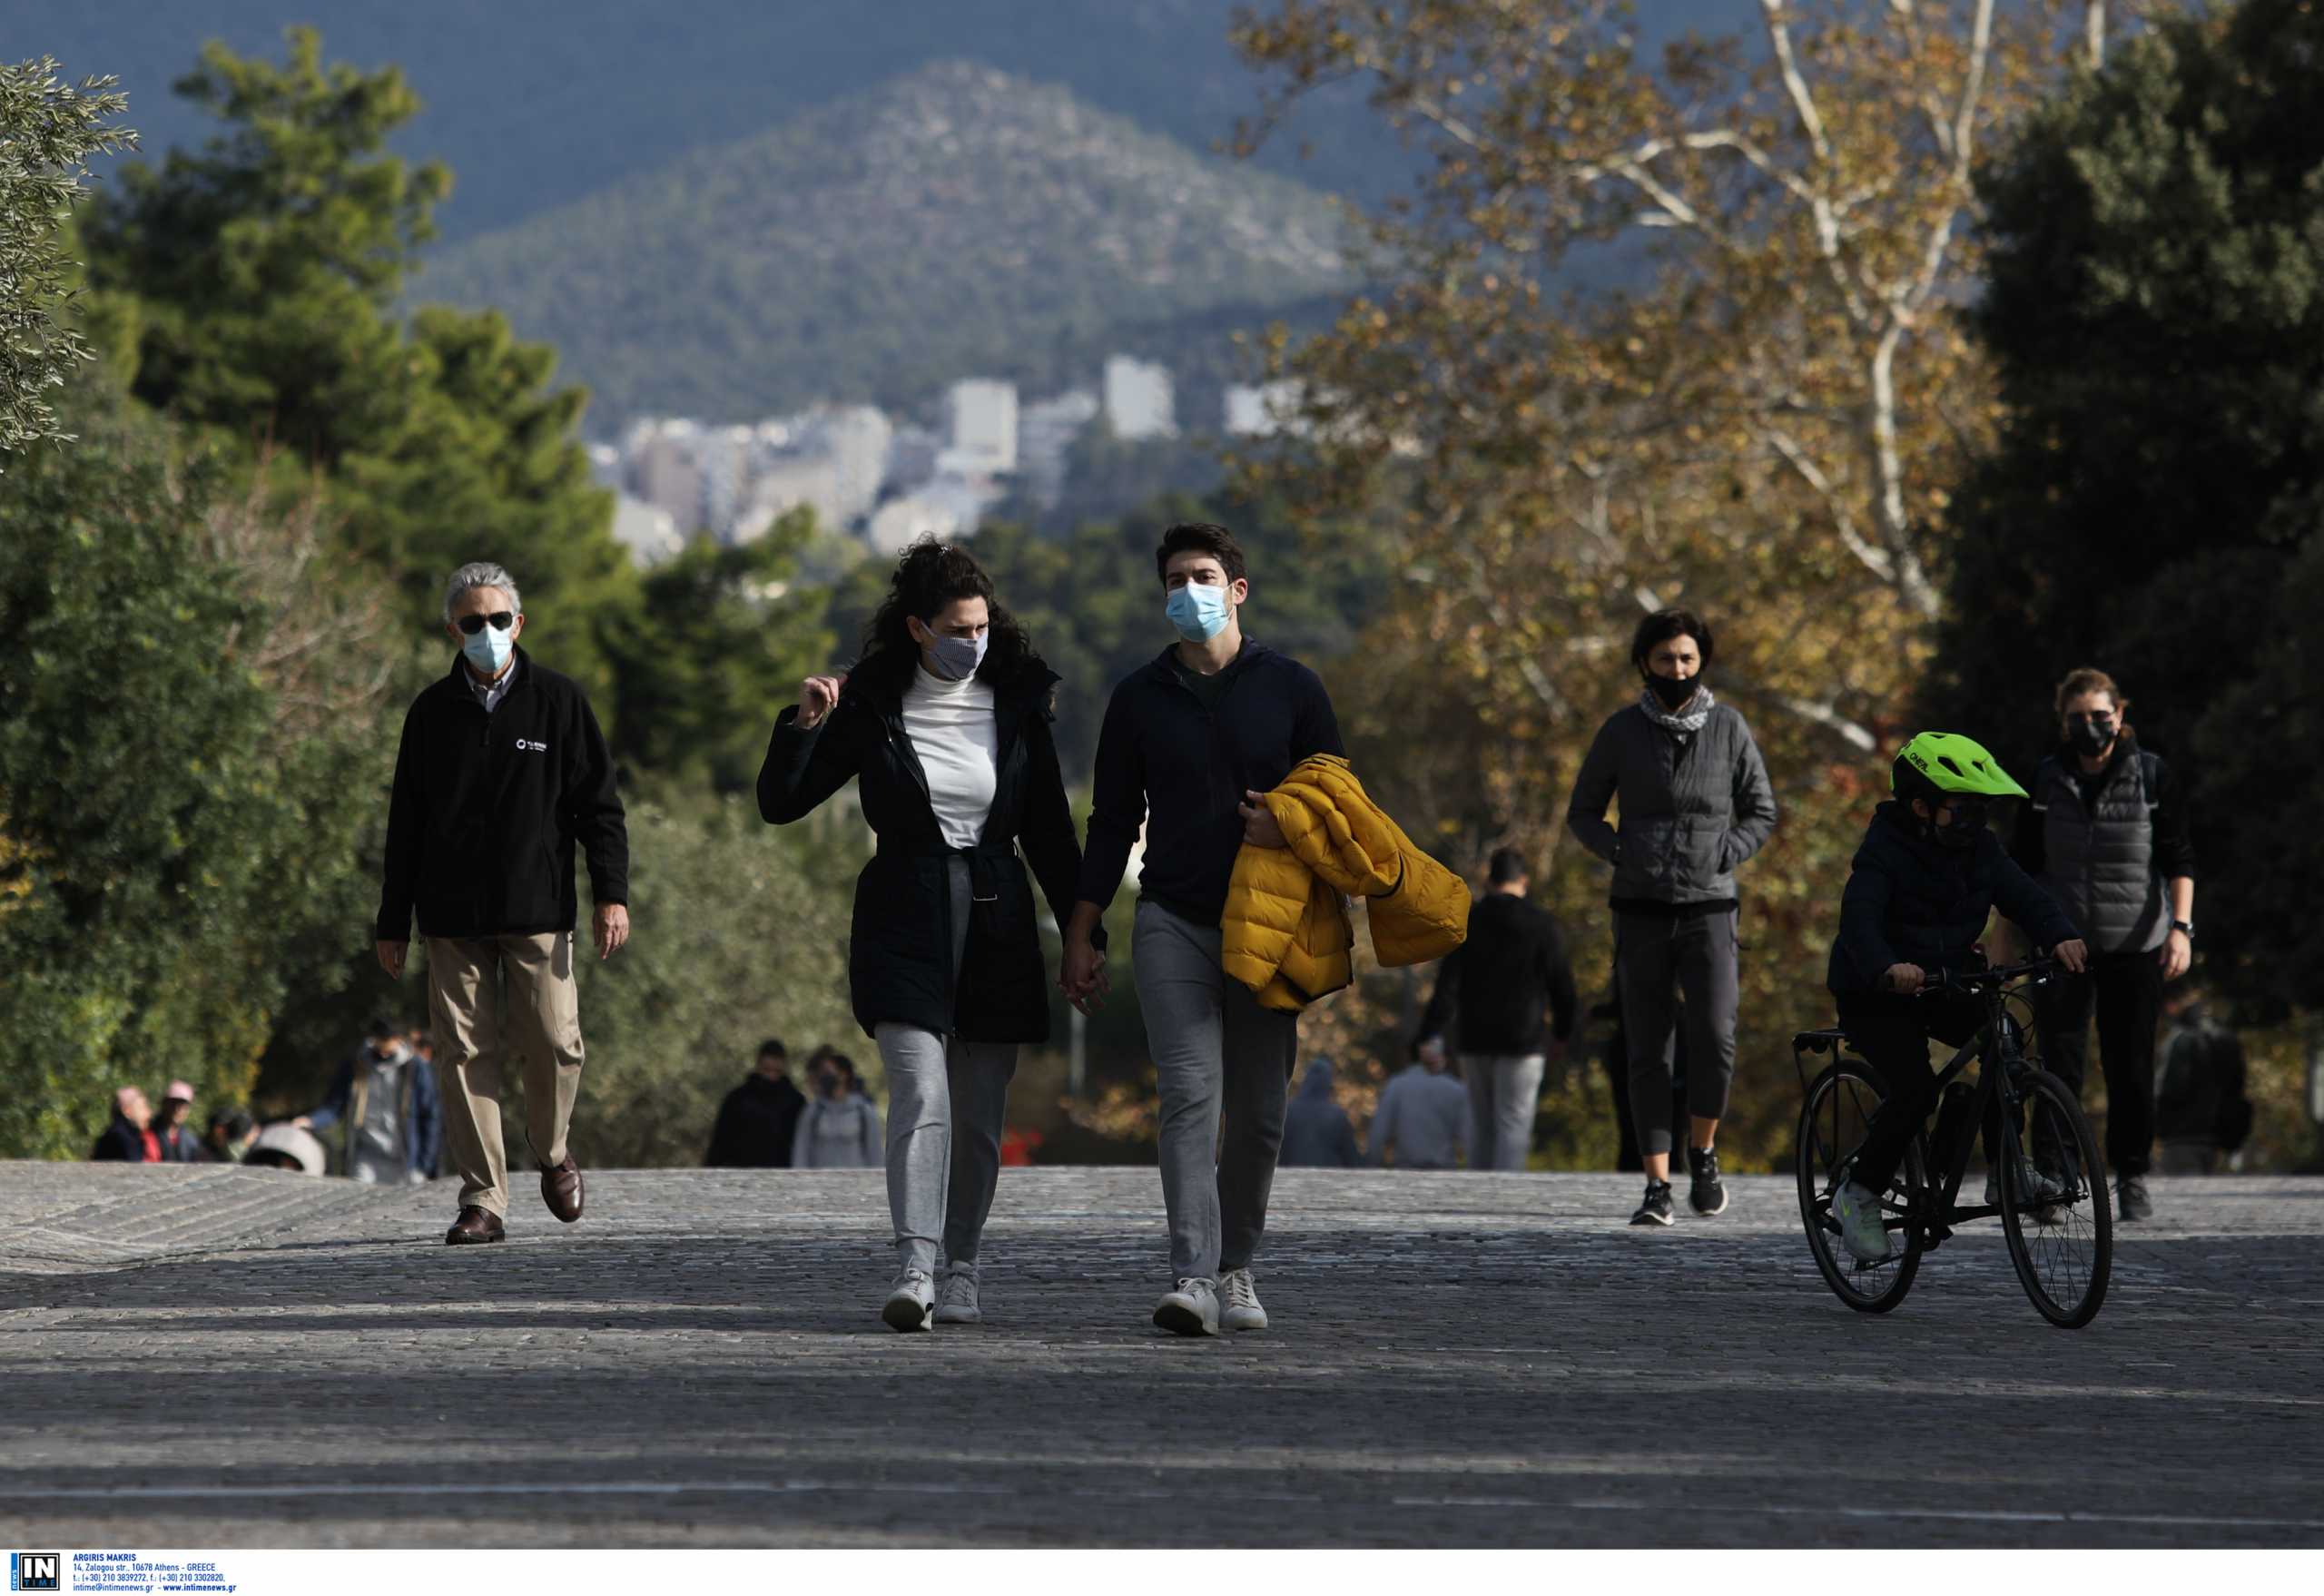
2126 990
1893 1034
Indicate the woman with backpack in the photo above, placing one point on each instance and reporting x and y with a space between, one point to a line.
944 725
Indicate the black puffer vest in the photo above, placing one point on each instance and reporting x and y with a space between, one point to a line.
2098 859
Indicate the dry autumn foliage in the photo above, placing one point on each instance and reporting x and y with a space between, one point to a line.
1761 423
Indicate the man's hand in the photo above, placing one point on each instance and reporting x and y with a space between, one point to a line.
818 696
391 957
2178 953
1903 978
1082 975
2074 955
1259 828
613 928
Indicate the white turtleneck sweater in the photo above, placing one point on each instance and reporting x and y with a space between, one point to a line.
952 729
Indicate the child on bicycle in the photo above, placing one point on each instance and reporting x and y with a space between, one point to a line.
1929 875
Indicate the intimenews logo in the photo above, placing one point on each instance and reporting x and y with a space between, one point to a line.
526 747
36 1571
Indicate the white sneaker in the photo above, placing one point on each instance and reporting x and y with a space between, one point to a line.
1858 1212
1241 1309
909 1304
956 1304
1190 1310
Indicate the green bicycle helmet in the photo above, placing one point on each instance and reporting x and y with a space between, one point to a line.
1935 765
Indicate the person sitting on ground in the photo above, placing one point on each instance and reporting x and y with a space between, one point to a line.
173 1130
1423 1115
130 1138
1315 1129
839 1128
760 1116
230 1136
1926 880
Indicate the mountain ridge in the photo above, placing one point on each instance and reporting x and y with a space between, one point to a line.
955 220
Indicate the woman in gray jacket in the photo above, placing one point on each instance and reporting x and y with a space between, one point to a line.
1695 804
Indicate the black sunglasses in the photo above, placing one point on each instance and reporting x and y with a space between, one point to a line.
501 620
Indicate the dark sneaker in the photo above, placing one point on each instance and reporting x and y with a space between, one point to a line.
1656 1208
2131 1201
1707 1196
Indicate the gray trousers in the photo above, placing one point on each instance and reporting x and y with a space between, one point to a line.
1695 954
1215 1052
947 1103
1504 1092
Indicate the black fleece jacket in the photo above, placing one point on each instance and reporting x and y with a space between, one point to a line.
1167 762
489 809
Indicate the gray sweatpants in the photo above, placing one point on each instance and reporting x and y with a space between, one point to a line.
1214 1050
947 1103
1504 1090
1695 954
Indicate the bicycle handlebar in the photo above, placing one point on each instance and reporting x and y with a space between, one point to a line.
1970 981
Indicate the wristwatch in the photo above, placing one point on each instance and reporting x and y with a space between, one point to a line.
2185 927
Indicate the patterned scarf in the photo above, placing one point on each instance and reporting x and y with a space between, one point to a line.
1699 710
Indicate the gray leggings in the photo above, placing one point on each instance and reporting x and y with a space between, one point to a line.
947 1103
1696 954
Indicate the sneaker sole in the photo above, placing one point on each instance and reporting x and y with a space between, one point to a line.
1226 1324
901 1312
1665 1220
959 1316
1709 1213
1182 1321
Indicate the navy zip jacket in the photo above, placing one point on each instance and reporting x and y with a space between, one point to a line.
489 809
1910 900
1180 770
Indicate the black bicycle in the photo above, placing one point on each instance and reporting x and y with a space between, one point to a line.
2048 1185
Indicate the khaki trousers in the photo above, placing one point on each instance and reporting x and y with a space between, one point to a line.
538 1021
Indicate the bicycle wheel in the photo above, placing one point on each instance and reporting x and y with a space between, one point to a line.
2064 1248
1832 1123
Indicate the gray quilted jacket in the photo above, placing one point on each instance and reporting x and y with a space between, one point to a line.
1692 808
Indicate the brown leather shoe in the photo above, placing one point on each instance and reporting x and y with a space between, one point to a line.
561 1189
476 1226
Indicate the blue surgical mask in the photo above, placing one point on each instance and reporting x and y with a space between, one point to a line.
955 659
1200 612
490 648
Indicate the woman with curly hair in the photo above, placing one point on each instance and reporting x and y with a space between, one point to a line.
944 724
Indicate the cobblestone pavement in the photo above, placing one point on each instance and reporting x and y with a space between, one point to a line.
225 1357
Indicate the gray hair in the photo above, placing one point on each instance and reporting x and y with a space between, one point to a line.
480 573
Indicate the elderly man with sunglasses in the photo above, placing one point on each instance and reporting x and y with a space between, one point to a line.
501 776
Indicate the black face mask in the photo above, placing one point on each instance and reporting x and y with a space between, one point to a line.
1671 691
2090 735
1962 833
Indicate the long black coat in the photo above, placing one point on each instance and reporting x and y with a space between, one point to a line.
900 952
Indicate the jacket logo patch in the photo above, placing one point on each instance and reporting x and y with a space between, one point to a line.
526 747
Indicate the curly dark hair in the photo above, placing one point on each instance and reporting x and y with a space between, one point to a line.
929 576
1665 624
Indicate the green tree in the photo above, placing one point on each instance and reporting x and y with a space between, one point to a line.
2155 307
259 278
49 129
719 645
177 820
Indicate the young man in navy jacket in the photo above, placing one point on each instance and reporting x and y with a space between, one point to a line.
1191 744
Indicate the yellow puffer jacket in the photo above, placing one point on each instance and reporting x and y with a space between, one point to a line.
1286 930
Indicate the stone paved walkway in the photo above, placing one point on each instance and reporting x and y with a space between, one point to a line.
225 1357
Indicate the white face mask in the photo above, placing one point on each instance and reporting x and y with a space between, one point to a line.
490 647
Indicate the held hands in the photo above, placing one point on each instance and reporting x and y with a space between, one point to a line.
1082 976
1259 827
612 929
818 696
2074 955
